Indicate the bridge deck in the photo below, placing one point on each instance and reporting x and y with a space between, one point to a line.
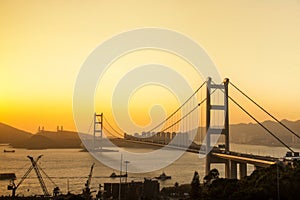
257 160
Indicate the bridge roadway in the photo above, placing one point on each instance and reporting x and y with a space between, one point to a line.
231 159
256 160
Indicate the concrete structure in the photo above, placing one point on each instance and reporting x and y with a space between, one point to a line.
210 130
98 128
231 159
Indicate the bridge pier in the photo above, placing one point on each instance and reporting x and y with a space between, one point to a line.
227 169
207 163
233 169
243 170
210 159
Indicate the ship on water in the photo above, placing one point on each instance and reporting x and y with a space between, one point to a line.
8 176
9 151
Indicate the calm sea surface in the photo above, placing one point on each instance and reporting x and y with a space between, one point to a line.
73 166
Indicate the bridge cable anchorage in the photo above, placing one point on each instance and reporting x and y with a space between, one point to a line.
117 132
196 91
277 138
268 113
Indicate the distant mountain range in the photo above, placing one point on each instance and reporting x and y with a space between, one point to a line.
254 134
41 140
11 135
239 133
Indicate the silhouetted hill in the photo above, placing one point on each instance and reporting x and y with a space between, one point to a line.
37 142
254 134
51 139
64 139
239 133
41 140
11 135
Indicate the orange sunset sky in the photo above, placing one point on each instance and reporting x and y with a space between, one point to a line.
44 43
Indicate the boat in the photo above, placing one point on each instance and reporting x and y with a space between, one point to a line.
114 175
9 151
7 176
163 177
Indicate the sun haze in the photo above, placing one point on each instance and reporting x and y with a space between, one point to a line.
44 43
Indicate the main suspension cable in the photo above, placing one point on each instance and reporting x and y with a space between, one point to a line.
196 91
183 117
277 138
117 132
268 113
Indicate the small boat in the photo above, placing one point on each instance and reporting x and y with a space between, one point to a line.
114 175
8 176
163 177
9 151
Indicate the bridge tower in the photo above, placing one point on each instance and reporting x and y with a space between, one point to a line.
223 130
98 128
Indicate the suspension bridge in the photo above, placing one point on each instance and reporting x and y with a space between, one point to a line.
185 129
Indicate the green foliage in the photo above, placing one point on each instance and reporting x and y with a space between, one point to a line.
195 187
261 184
212 175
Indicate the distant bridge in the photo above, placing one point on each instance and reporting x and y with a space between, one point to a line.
176 129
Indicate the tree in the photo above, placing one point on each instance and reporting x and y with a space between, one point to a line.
176 185
195 187
211 176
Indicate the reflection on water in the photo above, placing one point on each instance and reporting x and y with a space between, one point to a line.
71 164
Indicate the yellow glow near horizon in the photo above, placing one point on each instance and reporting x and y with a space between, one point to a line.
150 95
43 44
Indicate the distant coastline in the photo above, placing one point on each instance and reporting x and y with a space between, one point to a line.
249 134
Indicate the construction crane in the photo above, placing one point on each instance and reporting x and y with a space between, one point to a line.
12 186
87 191
38 174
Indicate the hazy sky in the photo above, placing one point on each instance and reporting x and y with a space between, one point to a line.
43 44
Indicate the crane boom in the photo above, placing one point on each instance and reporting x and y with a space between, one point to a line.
34 165
87 191
14 187
28 171
88 183
38 174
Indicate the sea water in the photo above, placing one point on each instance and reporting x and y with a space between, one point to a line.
69 168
